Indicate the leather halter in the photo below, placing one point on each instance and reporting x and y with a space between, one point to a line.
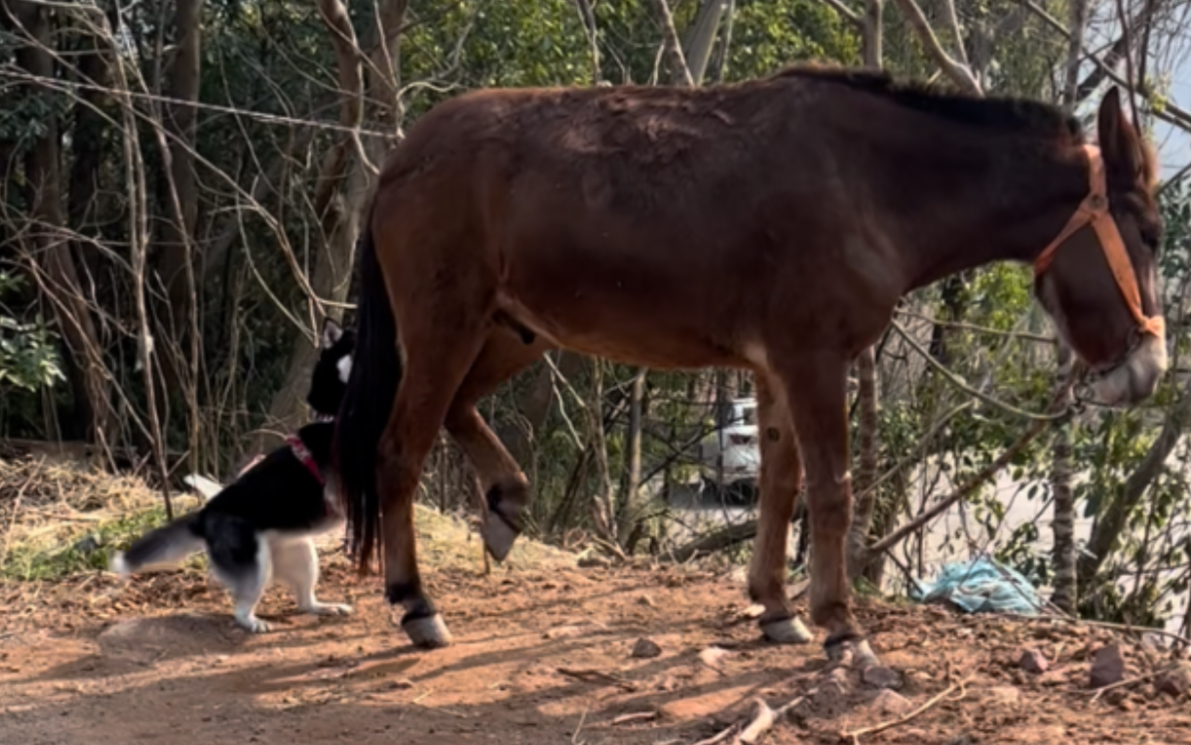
1093 211
302 453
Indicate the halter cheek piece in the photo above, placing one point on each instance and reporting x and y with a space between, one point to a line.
1093 211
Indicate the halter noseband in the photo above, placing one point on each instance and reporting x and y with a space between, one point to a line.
1093 211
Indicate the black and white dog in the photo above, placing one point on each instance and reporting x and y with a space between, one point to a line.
263 525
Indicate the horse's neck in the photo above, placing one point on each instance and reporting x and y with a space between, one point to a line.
1011 214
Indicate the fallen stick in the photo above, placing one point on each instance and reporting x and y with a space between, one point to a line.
855 735
763 719
637 716
1121 684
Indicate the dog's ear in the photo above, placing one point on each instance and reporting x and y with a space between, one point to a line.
332 332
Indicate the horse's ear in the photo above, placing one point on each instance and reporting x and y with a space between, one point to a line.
332 332
1123 158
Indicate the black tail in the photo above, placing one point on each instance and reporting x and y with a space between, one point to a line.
375 375
167 545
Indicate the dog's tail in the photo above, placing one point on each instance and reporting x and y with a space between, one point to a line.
371 388
162 547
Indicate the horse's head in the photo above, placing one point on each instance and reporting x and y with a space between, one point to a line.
1097 279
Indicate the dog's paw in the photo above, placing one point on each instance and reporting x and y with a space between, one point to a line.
254 625
329 609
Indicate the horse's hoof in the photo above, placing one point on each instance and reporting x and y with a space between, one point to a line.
786 631
852 652
427 632
498 537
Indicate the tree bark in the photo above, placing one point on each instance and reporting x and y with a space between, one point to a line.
1113 518
1066 587
629 503
1065 594
178 258
675 59
701 40
344 180
52 257
866 363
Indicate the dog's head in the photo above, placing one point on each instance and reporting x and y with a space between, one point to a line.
331 371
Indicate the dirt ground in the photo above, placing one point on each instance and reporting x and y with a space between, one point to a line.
541 655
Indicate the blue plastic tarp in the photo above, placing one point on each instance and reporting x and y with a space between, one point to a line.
982 585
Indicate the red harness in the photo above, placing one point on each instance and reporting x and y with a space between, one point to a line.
302 453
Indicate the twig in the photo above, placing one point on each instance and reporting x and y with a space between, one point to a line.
855 735
762 721
1101 624
958 382
954 69
637 716
987 473
1121 684
722 736
579 727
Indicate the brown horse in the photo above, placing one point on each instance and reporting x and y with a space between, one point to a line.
770 225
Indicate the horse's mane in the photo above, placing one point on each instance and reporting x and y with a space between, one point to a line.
1004 113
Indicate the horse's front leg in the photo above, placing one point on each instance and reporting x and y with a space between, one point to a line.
815 386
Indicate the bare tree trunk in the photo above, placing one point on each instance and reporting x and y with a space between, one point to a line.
700 41
534 405
632 455
176 263
603 509
866 474
866 363
1066 588
675 60
346 176
53 255
1111 521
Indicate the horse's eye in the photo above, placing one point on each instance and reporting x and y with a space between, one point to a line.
1151 237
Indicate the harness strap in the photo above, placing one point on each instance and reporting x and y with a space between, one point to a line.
1093 212
302 453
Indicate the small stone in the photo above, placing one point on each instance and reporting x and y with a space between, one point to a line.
88 545
645 648
401 685
713 657
1108 666
1033 661
879 676
890 703
1003 695
1176 681
594 562
837 681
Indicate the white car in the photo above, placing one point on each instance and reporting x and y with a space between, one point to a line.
733 453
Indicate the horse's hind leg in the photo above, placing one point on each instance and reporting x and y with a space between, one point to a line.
436 364
781 476
505 486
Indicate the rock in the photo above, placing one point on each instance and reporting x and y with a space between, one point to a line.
1108 666
644 648
88 545
1003 695
1033 661
836 681
1176 681
594 562
889 703
879 676
713 657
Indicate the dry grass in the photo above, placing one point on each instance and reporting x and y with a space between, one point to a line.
60 520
